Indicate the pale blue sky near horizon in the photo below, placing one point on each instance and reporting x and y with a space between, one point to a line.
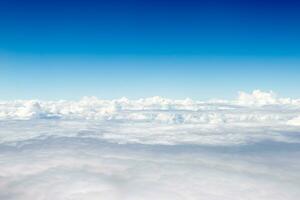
109 77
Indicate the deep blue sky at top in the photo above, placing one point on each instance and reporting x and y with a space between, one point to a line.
201 49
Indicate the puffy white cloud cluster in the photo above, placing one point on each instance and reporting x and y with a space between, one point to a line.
255 107
250 118
91 108
259 98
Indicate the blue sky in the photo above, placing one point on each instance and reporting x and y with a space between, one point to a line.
68 49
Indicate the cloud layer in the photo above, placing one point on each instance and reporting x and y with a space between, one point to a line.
256 106
153 148
253 117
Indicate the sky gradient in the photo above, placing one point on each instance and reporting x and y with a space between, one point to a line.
109 49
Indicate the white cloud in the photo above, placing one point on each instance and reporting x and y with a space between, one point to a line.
152 148
257 98
94 108
294 122
252 117
68 168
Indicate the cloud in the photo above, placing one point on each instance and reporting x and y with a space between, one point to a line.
154 108
151 148
257 98
70 168
251 117
294 121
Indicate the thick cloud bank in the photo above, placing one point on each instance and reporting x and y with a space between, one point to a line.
153 148
260 107
250 118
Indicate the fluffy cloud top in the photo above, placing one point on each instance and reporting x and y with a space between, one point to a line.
250 118
256 106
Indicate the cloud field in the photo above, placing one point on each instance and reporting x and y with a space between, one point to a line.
152 148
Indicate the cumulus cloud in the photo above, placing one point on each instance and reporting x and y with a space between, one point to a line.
260 98
251 117
151 148
154 108
257 97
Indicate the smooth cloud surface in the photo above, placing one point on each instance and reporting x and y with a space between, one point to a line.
153 148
